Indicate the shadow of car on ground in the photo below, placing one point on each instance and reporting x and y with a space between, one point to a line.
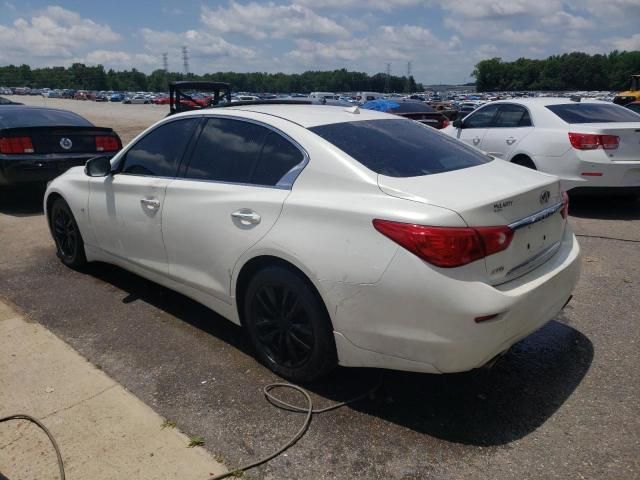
482 407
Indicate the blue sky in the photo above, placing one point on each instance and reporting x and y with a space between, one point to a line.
442 40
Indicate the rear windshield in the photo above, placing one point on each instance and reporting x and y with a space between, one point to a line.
16 117
400 148
593 113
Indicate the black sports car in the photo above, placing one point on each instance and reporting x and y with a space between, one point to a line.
38 144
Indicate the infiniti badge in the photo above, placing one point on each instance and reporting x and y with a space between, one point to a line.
544 196
66 143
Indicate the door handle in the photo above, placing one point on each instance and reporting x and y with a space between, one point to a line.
150 203
246 216
476 140
511 140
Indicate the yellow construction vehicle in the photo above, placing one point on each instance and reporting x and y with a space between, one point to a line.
631 95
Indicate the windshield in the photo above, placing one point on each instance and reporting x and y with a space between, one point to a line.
400 148
593 113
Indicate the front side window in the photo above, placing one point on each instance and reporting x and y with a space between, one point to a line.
593 113
512 116
400 148
159 152
481 118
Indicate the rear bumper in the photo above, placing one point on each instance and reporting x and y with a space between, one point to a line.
25 169
419 318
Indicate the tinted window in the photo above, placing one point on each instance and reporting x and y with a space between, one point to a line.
481 118
227 151
278 157
634 107
593 113
400 148
159 152
512 116
12 116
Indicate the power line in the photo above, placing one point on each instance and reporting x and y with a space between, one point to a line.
387 80
185 59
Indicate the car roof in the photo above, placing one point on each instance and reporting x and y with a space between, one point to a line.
543 101
305 115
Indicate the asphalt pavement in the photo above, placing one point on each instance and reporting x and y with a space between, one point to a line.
563 403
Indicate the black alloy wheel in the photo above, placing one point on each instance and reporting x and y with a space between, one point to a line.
69 243
288 325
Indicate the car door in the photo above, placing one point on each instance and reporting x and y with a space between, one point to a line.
511 124
225 200
474 126
125 208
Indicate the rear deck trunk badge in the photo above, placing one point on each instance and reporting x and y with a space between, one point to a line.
545 196
66 143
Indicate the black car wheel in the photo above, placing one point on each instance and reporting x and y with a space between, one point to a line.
288 325
69 243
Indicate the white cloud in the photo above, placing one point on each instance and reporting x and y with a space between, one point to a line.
54 33
501 8
262 20
198 42
384 5
566 20
115 58
629 43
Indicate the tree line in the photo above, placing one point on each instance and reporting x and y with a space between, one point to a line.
570 71
82 77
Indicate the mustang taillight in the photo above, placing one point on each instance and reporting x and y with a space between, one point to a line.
16 145
590 141
447 247
106 143
565 205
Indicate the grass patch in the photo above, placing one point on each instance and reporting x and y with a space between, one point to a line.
196 441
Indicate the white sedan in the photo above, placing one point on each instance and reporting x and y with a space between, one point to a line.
594 147
333 235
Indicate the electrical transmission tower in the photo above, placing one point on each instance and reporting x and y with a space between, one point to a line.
185 60
408 87
387 80
165 62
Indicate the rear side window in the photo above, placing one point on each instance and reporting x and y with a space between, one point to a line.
13 116
278 157
511 116
159 152
400 148
593 113
227 151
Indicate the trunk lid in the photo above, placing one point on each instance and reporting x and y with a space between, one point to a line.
55 139
496 194
628 132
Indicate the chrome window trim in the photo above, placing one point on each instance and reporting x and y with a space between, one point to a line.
536 217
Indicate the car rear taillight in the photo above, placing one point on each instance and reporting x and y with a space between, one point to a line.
591 141
445 123
105 143
446 247
565 205
16 145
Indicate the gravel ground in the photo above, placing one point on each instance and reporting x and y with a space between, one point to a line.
563 403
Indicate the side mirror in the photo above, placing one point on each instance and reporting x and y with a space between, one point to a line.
457 123
98 167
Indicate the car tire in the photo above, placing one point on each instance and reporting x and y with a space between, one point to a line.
524 161
65 231
288 325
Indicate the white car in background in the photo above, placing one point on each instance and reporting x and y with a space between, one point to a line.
332 234
592 146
